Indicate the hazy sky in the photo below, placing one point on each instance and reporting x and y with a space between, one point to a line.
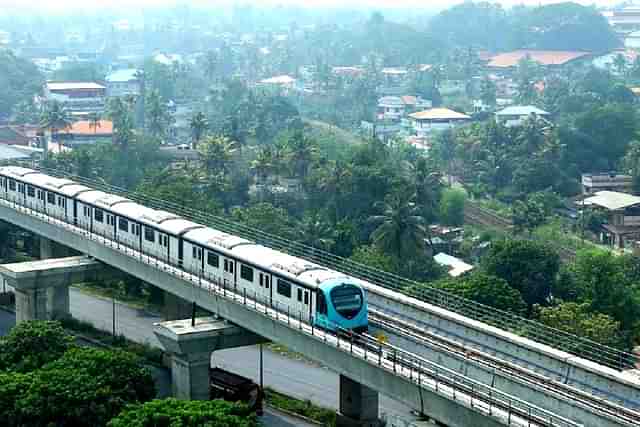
61 5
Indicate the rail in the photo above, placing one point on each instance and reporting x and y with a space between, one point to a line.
478 397
580 346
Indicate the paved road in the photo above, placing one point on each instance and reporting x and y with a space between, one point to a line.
299 379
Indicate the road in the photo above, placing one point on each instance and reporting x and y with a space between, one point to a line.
300 379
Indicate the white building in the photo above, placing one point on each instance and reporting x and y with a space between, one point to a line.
77 97
518 114
611 181
124 82
436 119
455 266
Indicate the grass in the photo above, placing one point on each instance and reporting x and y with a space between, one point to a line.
324 416
99 290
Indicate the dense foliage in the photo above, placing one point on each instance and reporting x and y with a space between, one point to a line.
20 81
22 349
180 413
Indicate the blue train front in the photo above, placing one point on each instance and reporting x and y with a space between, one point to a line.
341 303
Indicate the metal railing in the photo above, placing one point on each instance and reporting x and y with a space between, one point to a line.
536 331
427 375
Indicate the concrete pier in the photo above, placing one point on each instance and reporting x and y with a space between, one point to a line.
42 287
176 308
191 347
358 405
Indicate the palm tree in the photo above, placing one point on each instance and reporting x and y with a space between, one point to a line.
199 125
301 152
620 64
263 164
210 65
216 153
333 183
55 118
400 230
119 111
94 121
157 114
316 232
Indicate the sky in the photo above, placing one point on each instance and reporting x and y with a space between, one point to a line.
59 5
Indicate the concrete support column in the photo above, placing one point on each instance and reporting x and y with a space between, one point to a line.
31 304
358 405
176 308
50 249
190 376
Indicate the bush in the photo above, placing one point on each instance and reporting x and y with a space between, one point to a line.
181 413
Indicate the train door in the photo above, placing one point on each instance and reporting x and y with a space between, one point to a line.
265 288
321 316
195 264
84 216
228 276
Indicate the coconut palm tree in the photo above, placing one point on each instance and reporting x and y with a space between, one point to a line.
316 232
216 154
263 164
94 121
199 125
400 230
301 151
119 111
54 118
333 182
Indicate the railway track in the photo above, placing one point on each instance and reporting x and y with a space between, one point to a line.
407 330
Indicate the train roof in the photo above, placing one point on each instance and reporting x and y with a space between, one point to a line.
215 238
59 185
178 226
102 199
15 171
276 261
142 213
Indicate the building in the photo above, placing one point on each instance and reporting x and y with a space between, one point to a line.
84 132
18 135
397 107
425 122
455 266
624 20
518 114
547 58
281 84
609 181
124 82
623 216
77 97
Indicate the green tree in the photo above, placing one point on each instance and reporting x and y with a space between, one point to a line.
22 349
580 320
21 80
216 154
55 118
199 125
452 207
157 116
488 91
181 413
94 121
400 231
528 215
486 289
373 256
530 267
120 112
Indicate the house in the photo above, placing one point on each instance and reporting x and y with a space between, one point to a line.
84 132
455 266
518 114
124 82
436 119
282 83
394 108
80 97
17 135
623 216
624 20
609 181
546 58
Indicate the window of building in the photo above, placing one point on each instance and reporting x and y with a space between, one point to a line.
246 273
213 260
284 288
31 192
51 198
149 235
98 215
123 224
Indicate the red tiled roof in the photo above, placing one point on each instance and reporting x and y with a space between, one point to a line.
85 127
544 57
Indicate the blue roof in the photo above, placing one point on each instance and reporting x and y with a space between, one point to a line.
8 153
123 75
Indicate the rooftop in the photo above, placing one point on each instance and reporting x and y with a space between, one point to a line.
544 57
439 114
279 80
85 127
9 152
522 110
73 85
612 200
456 265
126 75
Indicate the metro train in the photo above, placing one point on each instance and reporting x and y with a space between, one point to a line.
330 299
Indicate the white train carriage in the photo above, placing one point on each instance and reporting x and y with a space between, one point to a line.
96 209
55 196
208 252
175 228
154 241
13 187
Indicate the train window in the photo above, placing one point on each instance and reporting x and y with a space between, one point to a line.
299 295
98 215
40 194
123 224
31 192
194 252
306 297
246 273
166 241
321 303
261 279
267 281
284 288
137 229
149 235
213 260
12 185
21 188
51 198
347 300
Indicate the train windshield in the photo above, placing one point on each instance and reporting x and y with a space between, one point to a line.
347 300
